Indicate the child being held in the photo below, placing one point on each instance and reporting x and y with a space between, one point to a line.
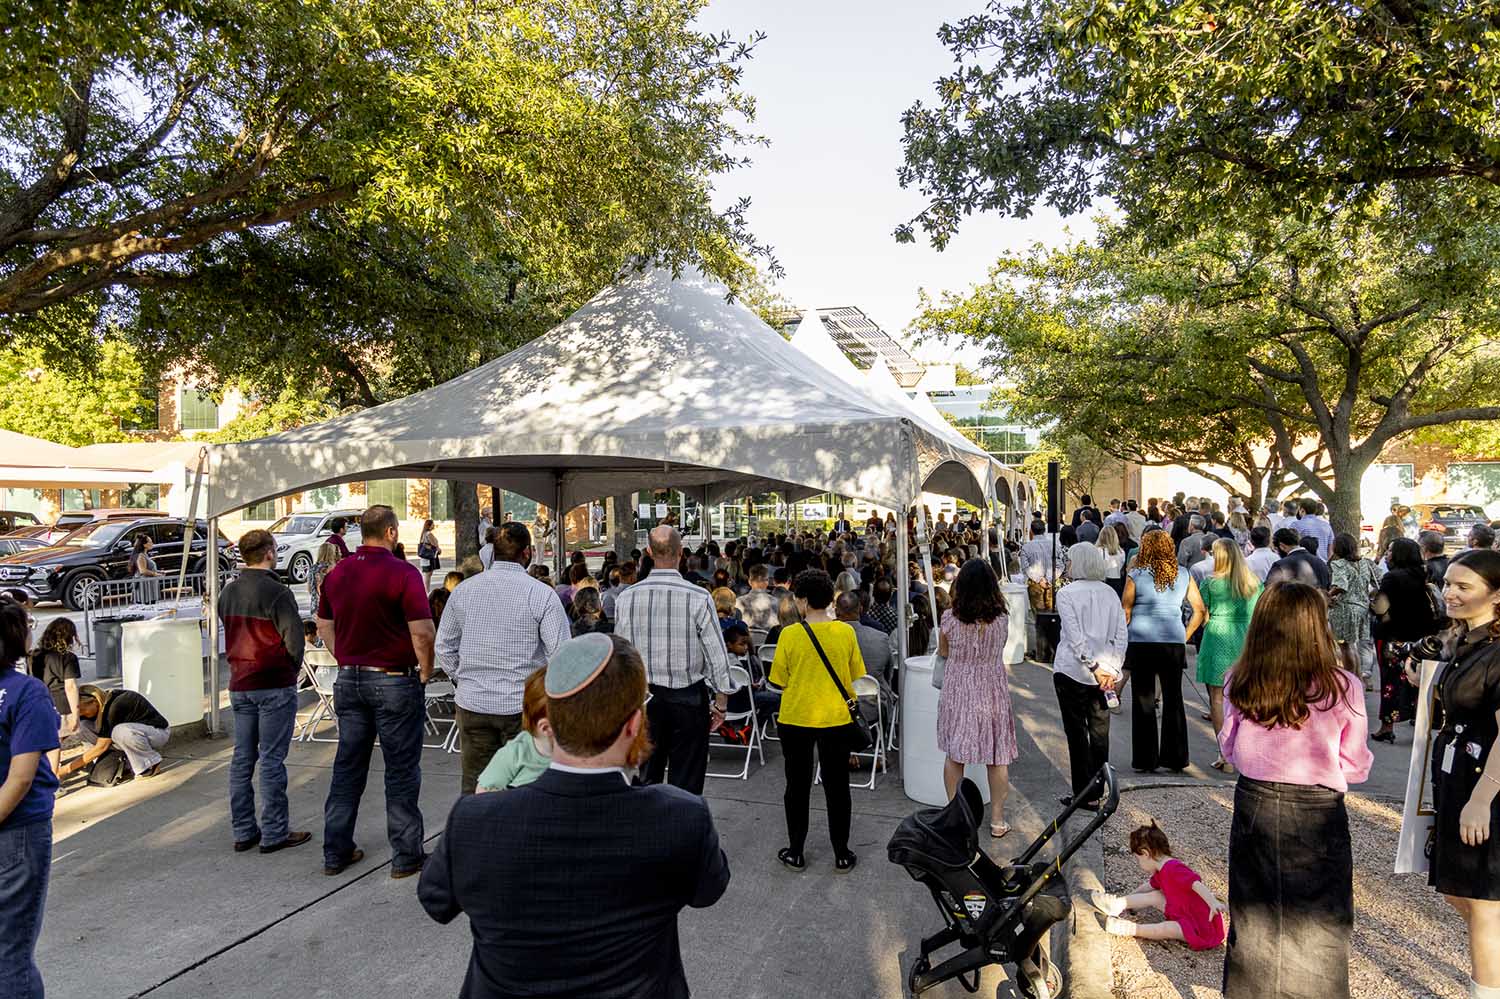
522 759
1193 914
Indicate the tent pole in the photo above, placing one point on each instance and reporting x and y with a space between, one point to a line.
708 520
211 610
561 528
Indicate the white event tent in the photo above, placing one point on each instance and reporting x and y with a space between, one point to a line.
656 381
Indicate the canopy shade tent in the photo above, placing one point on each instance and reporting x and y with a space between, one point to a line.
656 381
33 463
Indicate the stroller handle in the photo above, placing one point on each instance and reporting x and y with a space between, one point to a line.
1105 785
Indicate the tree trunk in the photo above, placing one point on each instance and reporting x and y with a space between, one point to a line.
1344 507
465 519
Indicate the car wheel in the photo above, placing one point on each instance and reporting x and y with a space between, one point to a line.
300 567
75 590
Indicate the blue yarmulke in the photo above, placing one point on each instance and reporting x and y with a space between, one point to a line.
577 662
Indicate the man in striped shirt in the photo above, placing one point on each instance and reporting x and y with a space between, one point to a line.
498 628
673 624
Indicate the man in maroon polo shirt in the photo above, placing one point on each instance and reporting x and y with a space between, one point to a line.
374 617
264 641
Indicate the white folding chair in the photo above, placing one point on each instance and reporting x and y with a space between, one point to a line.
767 654
867 688
321 670
758 638
439 692
740 676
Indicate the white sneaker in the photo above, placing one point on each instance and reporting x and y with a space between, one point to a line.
1110 905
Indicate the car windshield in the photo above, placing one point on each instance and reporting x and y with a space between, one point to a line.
1458 512
297 524
98 534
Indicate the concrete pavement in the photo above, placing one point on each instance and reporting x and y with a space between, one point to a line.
148 899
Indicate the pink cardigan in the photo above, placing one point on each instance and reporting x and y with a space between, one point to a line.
1331 748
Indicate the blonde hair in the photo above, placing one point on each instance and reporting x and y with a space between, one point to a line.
724 600
1230 564
327 554
1109 540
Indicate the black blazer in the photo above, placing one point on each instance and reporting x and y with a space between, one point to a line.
573 883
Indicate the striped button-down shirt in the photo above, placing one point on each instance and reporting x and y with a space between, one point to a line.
674 625
498 628
1317 527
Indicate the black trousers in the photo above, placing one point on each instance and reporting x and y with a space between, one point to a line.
678 726
1085 720
1148 663
832 744
1291 893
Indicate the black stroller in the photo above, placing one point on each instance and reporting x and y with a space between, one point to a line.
997 914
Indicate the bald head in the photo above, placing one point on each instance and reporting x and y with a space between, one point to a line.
665 543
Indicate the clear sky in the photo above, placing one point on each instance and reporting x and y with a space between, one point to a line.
831 80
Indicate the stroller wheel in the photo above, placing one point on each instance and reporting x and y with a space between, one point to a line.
1035 983
919 967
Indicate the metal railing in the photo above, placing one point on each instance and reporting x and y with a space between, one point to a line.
144 595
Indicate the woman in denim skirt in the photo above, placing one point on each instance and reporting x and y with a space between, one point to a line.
1295 728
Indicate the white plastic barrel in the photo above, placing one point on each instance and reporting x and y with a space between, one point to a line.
1019 606
921 760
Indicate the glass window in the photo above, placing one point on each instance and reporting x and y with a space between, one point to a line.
167 532
140 496
439 500
99 533
261 511
22 500
199 411
297 523
80 499
388 492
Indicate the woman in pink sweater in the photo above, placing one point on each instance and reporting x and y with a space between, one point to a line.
1295 728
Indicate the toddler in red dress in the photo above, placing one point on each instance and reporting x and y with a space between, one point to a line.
1193 914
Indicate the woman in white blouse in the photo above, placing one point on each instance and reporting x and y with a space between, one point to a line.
1090 657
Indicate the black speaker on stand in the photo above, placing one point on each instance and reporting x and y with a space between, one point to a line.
1048 624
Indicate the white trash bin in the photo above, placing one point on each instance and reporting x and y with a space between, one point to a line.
1019 605
921 760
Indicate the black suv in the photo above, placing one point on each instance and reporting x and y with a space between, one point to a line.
101 550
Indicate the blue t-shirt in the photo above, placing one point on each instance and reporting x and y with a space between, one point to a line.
1157 614
28 724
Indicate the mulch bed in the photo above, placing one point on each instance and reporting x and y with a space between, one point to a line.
1408 943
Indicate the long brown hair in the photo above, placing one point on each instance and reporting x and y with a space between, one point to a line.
1289 664
1159 555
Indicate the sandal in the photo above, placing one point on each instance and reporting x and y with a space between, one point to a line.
790 860
845 863
1000 831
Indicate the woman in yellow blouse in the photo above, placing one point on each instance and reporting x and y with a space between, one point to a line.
813 714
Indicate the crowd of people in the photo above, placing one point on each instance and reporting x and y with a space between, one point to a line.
591 702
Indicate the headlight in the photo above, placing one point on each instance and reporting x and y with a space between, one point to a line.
282 548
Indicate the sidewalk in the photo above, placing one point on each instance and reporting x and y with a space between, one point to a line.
148 899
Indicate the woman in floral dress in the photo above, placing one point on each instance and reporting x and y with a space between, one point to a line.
975 724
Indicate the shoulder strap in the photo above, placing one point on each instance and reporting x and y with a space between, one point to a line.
826 664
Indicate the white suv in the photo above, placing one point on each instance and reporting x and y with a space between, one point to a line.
300 535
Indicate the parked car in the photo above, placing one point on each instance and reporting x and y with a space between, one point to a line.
300 535
13 544
12 520
1451 520
40 532
70 520
101 550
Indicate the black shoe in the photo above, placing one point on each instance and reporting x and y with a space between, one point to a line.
1087 806
1389 737
409 871
151 771
354 857
241 845
845 863
292 839
793 861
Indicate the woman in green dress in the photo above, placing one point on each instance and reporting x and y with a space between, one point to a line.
1229 595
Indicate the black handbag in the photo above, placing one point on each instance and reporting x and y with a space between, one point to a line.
861 732
110 769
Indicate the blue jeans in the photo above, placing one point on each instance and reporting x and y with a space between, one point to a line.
263 722
392 707
25 862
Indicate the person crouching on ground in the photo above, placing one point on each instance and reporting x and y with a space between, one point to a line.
527 756
1192 912
610 925
123 720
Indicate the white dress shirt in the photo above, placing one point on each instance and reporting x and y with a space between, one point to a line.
1093 629
1261 560
499 627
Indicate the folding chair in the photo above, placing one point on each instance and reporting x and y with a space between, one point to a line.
321 670
439 692
867 688
741 679
767 654
758 638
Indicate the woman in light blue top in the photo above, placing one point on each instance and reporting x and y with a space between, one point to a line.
524 758
1155 592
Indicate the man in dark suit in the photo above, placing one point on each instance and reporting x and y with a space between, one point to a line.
573 884
1297 563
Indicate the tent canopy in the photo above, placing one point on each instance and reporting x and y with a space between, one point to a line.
655 382
33 463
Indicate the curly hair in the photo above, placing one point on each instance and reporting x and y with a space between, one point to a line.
1160 556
